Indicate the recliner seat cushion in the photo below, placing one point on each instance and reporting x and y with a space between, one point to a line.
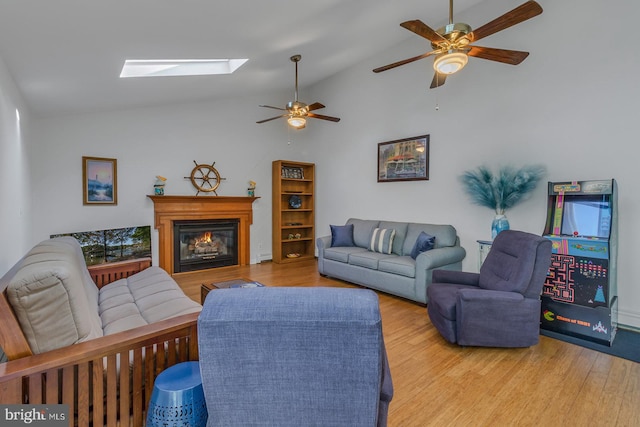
443 298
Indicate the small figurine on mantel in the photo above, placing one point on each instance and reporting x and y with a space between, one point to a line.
251 191
158 187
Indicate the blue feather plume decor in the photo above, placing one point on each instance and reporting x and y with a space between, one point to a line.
503 190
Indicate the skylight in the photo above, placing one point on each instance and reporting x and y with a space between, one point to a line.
179 67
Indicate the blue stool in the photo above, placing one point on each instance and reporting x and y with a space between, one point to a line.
178 398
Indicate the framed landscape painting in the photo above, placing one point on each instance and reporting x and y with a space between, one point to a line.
404 159
99 181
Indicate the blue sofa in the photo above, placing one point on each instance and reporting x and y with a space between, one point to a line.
397 272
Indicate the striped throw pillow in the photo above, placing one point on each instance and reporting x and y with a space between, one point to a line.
382 240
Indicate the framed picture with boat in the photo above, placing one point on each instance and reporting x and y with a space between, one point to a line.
404 159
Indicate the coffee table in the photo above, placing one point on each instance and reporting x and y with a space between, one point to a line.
233 283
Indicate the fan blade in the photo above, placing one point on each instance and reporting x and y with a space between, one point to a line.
519 14
320 116
422 29
438 80
404 61
513 57
272 118
315 106
269 106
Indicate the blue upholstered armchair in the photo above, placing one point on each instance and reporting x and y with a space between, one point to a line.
294 357
500 307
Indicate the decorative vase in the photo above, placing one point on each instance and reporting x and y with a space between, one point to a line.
500 223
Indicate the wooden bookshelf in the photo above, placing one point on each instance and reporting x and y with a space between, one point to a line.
293 223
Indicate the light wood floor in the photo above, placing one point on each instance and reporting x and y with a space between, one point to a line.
439 384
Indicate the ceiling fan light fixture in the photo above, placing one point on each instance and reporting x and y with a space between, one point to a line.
450 62
297 122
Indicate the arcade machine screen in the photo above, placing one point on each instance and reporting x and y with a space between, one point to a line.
588 216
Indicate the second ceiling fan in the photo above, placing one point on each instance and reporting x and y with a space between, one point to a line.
296 111
451 44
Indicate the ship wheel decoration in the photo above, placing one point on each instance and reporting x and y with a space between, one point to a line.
205 178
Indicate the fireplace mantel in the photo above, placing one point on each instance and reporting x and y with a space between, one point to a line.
168 209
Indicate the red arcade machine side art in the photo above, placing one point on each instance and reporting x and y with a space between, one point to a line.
579 297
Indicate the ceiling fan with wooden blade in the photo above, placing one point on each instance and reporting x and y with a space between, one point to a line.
296 111
452 46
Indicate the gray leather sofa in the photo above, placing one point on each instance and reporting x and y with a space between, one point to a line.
397 272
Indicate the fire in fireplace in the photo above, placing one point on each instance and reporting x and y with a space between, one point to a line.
204 244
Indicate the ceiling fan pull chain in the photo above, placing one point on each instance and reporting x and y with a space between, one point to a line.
437 76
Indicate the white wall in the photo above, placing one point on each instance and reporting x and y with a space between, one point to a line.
14 173
157 141
562 107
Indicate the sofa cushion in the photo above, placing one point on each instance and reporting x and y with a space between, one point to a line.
146 297
425 242
368 259
402 265
342 235
382 240
341 254
49 296
401 233
445 235
118 309
362 229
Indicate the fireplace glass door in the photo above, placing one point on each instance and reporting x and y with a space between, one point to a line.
205 244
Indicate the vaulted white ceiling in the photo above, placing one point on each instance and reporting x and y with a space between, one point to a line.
66 55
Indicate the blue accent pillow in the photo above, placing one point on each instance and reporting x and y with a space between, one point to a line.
424 242
342 235
382 240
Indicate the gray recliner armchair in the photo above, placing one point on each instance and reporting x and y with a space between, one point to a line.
294 357
500 306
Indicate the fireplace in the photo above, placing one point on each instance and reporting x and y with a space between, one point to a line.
205 244
171 209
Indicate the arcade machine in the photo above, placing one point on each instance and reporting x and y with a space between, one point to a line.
579 297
